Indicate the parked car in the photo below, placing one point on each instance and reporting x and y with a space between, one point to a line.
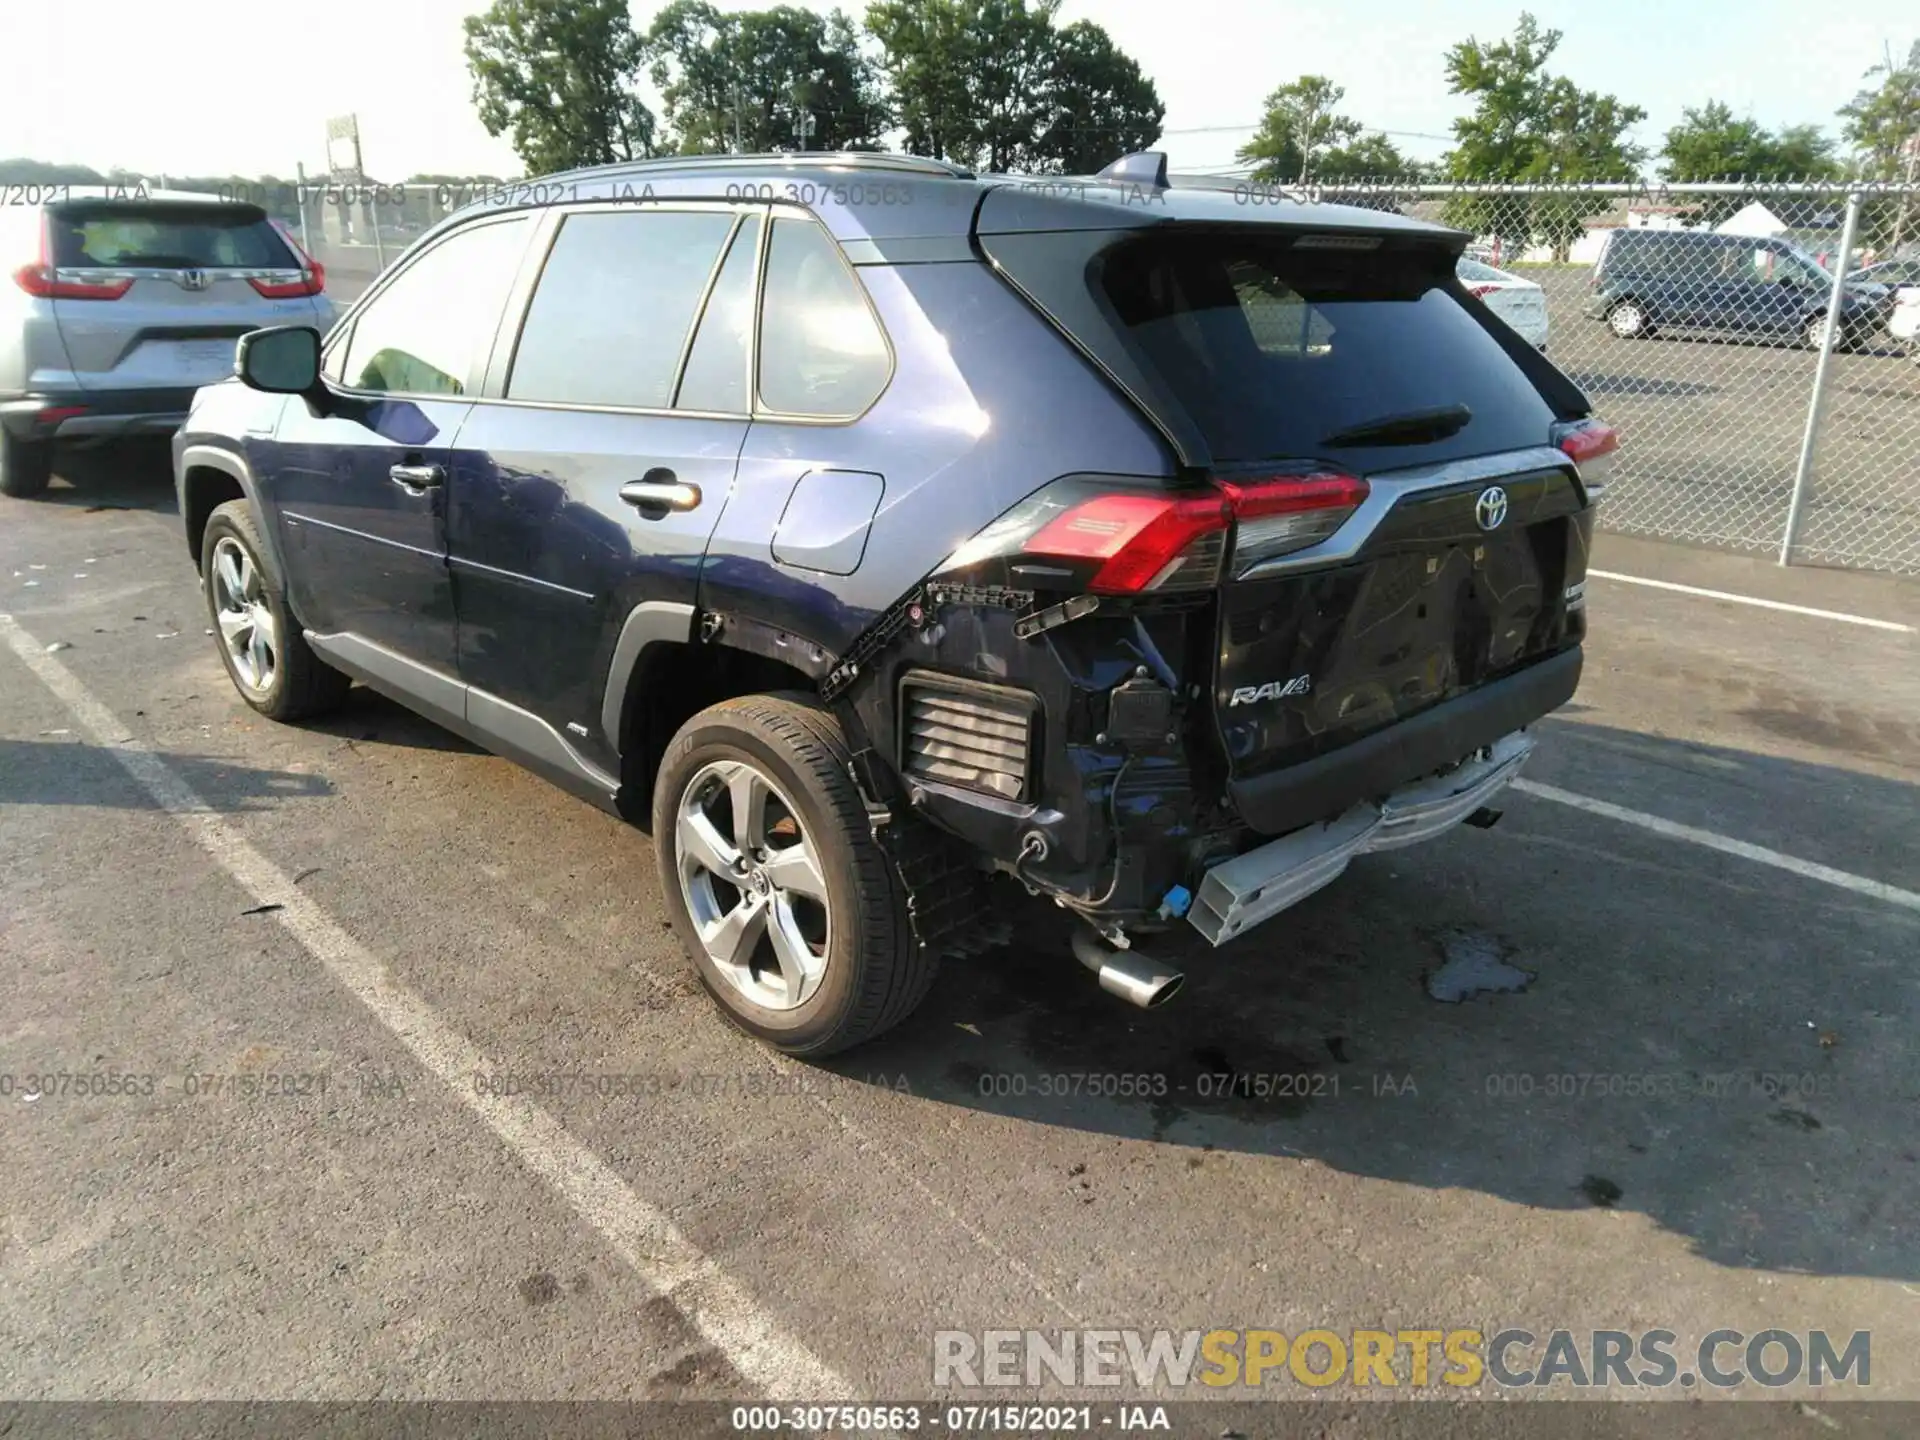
1521 303
1901 276
775 513
1654 281
122 303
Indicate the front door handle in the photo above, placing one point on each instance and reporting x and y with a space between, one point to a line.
660 492
417 479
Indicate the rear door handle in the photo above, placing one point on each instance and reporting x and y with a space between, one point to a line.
660 492
417 479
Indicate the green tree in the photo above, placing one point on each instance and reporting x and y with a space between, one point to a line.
558 77
1299 127
740 80
1529 126
1883 127
1883 123
995 84
1371 157
1103 105
927 48
1710 144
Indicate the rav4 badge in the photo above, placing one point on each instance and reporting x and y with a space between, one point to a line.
1272 690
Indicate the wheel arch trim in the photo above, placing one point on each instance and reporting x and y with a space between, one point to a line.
216 457
651 622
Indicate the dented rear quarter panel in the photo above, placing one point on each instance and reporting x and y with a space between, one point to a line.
987 403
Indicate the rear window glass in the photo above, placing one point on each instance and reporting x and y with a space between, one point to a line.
1273 350
164 237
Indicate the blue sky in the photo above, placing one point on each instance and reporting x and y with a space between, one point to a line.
232 86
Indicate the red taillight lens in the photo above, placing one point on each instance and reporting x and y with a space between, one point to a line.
290 285
1591 446
1142 541
1479 290
1277 515
1589 441
47 283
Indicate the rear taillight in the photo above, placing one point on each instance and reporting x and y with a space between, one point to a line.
1138 542
1113 538
47 283
1478 291
40 278
1278 514
289 284
1590 444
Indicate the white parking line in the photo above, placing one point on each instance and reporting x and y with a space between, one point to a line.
1825 874
665 1260
1842 615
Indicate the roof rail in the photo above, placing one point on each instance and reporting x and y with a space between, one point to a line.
849 159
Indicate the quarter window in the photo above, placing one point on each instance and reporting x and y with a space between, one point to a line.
614 304
423 332
821 350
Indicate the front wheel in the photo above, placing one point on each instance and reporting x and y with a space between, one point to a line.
266 655
1814 333
1629 320
790 912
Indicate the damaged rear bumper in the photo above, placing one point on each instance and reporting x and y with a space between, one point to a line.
1240 893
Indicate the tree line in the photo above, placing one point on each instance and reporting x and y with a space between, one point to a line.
995 84
1002 85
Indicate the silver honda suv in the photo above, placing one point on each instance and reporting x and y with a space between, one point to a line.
120 302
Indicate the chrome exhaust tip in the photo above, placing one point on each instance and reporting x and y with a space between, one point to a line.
1138 979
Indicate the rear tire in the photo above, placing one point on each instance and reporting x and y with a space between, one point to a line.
25 466
1629 320
260 642
814 973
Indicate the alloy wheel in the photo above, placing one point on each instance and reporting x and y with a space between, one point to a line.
247 627
753 884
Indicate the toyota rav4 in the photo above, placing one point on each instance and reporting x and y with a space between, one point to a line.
866 528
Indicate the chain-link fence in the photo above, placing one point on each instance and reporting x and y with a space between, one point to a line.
1696 317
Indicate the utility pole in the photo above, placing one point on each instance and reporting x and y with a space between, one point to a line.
737 148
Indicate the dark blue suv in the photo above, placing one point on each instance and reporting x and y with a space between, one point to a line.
1649 281
868 529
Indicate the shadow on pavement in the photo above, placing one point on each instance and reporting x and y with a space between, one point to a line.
62 771
119 475
1722 1047
369 717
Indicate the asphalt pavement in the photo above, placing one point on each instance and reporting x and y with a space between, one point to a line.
392 923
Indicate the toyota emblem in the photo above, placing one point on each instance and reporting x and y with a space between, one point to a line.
1491 508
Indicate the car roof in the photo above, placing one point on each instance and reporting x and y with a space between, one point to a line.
142 195
871 196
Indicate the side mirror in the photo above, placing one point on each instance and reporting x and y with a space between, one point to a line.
282 360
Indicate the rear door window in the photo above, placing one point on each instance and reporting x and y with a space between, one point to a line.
1273 350
129 235
716 375
616 299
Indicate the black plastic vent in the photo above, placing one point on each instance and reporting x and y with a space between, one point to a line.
967 733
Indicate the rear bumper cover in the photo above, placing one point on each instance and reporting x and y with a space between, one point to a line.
1402 753
101 412
1240 893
